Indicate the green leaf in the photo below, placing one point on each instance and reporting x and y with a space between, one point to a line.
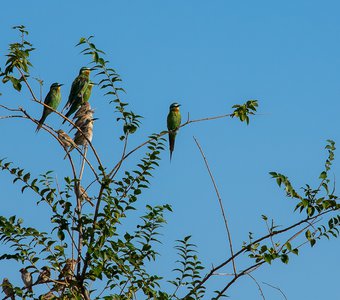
61 235
285 258
323 175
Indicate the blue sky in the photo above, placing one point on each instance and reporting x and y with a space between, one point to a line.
206 55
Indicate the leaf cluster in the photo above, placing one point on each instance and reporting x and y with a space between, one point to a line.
18 59
243 111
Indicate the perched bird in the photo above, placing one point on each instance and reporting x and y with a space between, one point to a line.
85 112
87 130
52 99
76 104
84 196
78 92
44 275
65 139
173 122
48 296
7 287
84 121
27 279
68 270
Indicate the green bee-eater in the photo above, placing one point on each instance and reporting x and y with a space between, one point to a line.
78 88
76 104
52 99
173 122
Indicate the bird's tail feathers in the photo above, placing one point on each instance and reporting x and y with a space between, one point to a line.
67 105
172 136
41 122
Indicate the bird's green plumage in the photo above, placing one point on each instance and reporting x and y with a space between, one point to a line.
173 122
78 89
79 102
52 99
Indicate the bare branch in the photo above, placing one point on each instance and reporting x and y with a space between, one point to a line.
274 287
239 275
220 202
258 285
117 167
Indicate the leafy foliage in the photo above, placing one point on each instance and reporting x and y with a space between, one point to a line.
314 203
243 111
18 58
189 270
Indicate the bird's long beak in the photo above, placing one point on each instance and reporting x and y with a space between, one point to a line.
60 84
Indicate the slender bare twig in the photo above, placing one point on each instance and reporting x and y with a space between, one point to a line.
237 276
220 202
269 231
27 84
274 287
258 285
10 109
119 164
223 274
11 117
294 236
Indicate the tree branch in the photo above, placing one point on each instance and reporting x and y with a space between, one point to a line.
220 202
244 249
274 287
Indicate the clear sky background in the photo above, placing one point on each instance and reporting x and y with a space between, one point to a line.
206 55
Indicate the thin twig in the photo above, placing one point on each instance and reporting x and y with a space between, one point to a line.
220 202
294 236
274 287
223 274
103 290
258 285
269 231
10 117
117 167
239 275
